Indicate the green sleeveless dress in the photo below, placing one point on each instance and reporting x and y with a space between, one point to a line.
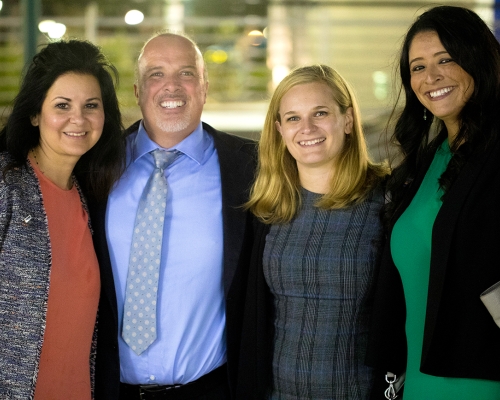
411 252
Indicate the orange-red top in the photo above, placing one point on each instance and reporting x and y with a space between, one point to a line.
64 370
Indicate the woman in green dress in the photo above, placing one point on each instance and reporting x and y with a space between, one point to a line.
443 216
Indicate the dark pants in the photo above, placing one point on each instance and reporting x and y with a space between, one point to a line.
212 386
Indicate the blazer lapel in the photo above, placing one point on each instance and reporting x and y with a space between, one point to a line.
236 168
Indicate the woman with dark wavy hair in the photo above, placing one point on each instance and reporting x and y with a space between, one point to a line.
62 135
444 216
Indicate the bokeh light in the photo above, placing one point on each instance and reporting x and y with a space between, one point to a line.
134 17
279 72
216 56
257 38
53 29
45 25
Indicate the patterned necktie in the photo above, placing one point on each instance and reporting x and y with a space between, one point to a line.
139 314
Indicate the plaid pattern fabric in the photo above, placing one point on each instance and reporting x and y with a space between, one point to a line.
319 268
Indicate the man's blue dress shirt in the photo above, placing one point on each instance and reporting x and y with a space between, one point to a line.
191 311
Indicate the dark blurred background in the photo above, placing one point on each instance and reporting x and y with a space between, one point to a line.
248 45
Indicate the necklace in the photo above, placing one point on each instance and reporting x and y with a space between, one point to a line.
69 185
36 161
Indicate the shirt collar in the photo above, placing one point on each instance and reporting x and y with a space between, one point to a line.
193 146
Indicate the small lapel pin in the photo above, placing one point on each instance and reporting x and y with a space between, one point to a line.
26 220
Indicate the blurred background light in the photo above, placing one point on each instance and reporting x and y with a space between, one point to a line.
279 72
216 56
53 29
257 38
57 31
380 77
248 46
380 85
134 17
255 33
44 26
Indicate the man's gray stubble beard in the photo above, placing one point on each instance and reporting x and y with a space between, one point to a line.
176 125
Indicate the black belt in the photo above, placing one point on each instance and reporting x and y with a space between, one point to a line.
189 390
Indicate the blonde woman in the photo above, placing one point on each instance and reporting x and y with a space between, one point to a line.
317 199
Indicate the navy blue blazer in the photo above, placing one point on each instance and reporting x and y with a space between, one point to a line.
237 159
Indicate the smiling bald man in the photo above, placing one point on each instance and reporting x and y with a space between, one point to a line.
203 260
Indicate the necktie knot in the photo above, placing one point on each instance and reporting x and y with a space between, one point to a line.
164 158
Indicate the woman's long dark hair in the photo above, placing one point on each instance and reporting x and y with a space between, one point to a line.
473 47
97 169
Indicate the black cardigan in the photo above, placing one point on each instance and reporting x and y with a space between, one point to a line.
460 337
255 364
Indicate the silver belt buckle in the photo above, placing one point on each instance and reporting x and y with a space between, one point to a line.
145 389
177 386
142 388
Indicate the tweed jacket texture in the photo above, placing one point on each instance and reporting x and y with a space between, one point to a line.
237 159
25 262
460 337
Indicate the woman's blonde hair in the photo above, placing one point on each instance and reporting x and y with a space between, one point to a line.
275 194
